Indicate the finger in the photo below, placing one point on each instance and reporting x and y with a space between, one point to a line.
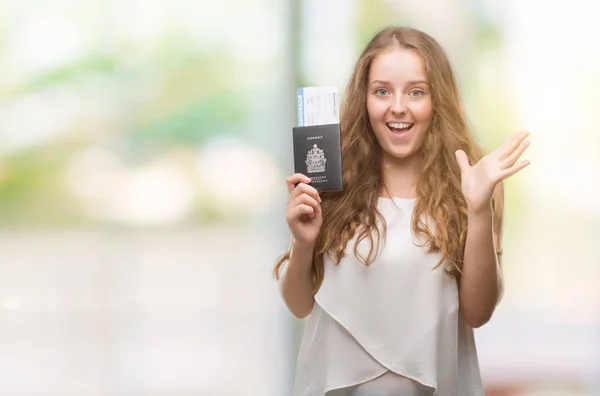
512 158
462 159
303 188
306 199
513 169
293 180
512 143
301 210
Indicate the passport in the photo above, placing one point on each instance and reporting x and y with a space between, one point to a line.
318 155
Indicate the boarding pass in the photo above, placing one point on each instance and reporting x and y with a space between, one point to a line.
317 105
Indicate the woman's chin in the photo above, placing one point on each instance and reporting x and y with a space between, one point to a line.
397 153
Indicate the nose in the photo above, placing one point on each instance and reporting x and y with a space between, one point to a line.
398 105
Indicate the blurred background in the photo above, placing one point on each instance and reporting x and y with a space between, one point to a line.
143 151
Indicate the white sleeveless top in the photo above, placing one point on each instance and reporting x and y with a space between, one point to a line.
389 329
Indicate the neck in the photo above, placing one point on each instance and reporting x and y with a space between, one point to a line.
401 175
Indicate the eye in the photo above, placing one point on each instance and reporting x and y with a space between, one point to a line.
381 92
415 93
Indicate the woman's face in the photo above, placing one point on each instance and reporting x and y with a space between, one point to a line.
399 102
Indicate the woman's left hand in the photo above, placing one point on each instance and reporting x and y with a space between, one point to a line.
478 181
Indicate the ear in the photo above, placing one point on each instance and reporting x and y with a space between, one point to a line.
463 161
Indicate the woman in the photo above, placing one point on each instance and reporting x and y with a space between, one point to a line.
397 269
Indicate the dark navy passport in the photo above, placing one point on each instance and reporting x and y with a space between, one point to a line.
318 155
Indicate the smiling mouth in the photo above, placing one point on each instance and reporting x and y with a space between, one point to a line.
399 127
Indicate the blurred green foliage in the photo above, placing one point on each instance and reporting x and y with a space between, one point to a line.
177 97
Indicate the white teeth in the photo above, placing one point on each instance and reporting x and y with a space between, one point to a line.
400 125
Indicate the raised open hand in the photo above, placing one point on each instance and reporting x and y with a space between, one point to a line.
478 181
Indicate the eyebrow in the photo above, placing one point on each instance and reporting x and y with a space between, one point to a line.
414 82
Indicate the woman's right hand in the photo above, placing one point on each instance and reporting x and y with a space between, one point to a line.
303 214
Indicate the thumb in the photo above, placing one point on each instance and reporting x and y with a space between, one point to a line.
463 161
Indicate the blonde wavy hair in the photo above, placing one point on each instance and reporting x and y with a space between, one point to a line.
439 195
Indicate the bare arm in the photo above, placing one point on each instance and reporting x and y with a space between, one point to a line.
296 282
481 284
304 217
